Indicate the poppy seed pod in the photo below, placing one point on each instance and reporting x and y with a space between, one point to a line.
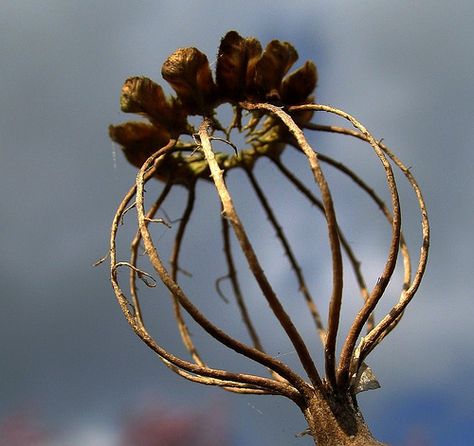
187 71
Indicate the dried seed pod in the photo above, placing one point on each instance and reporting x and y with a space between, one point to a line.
142 95
297 86
236 61
274 63
187 71
138 140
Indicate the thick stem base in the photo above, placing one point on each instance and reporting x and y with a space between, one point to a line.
336 421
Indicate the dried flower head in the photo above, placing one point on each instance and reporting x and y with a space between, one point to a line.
243 73
280 108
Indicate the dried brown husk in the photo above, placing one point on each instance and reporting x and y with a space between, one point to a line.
142 95
272 66
138 140
297 86
254 53
237 57
187 71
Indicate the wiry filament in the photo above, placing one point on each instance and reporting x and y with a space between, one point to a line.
303 287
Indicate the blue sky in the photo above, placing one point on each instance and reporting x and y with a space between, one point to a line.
404 68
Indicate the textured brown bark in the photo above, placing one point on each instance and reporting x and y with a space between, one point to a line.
336 421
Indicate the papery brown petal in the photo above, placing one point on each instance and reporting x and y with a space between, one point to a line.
275 62
236 60
142 95
254 53
297 86
187 71
138 140
231 68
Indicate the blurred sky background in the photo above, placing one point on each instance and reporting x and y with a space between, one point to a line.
404 68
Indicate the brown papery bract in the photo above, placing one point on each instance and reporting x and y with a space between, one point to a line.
236 60
138 140
275 62
187 71
298 86
143 96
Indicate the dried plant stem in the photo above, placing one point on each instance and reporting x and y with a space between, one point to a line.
247 320
134 246
382 206
343 372
174 262
380 203
193 311
254 265
239 382
355 263
333 233
394 315
303 288
232 274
